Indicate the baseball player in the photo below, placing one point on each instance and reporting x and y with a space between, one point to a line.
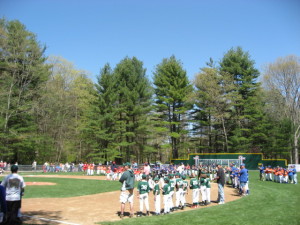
285 176
179 191
92 169
108 172
88 170
166 193
143 189
172 184
185 190
295 181
156 193
207 190
203 189
194 185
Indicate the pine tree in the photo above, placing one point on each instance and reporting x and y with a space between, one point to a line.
124 104
172 89
245 117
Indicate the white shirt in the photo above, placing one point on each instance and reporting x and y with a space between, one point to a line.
13 184
180 169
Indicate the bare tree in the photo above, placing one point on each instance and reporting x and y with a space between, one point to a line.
282 79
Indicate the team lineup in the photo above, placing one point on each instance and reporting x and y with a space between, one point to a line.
164 189
171 187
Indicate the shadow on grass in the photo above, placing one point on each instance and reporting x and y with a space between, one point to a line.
41 217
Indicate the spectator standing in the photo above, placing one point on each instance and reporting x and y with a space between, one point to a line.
262 172
220 177
34 165
127 180
14 186
146 169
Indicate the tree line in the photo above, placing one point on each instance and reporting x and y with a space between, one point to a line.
51 111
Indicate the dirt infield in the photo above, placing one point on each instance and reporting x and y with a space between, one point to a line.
39 183
86 210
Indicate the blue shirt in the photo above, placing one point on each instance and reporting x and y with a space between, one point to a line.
294 171
233 169
262 169
244 175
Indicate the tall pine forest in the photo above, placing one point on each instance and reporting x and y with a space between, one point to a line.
52 111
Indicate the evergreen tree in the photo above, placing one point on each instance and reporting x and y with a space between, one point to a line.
245 116
125 103
105 127
172 89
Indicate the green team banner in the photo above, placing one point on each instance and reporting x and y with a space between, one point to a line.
251 160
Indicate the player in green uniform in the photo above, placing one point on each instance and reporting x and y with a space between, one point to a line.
207 191
172 184
179 191
143 190
194 185
203 188
156 193
166 193
185 185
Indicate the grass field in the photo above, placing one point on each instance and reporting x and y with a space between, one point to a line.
268 203
67 187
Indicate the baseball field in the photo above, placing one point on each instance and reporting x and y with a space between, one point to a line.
86 200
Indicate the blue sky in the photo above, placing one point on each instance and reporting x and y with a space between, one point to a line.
90 33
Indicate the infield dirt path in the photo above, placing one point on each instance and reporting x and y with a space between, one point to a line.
89 209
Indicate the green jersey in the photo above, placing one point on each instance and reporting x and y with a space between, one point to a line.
166 189
156 189
202 181
207 182
143 187
185 184
172 184
179 183
194 183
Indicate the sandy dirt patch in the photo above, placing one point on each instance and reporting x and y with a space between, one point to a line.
87 210
39 183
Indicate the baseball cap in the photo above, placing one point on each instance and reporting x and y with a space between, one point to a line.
166 179
14 168
242 164
144 176
183 177
156 178
177 174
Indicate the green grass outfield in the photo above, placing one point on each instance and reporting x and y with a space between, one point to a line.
269 203
67 187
